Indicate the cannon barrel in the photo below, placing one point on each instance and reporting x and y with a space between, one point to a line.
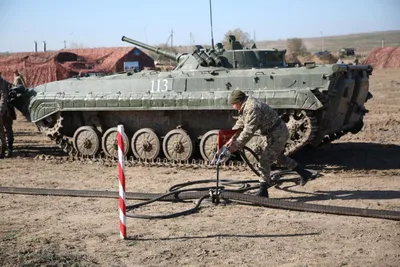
171 55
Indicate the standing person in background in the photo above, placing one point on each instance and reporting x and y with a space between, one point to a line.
3 114
8 121
19 80
7 118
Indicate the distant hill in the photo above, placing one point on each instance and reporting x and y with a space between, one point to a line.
364 43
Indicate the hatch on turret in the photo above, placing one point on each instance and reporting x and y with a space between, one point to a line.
242 57
255 58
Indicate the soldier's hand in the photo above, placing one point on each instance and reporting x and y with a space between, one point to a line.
229 142
232 148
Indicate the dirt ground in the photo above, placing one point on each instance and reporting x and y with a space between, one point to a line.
359 170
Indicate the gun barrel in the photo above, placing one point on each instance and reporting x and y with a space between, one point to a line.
170 55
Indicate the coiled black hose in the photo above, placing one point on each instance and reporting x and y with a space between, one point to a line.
175 190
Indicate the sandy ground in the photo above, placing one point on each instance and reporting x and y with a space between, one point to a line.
358 171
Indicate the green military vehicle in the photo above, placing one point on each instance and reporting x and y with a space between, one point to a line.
347 52
175 115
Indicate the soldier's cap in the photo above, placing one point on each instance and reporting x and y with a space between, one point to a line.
237 96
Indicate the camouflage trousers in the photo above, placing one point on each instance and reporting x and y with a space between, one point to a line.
6 124
273 149
3 146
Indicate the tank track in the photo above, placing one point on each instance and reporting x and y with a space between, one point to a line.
66 145
309 127
324 99
332 137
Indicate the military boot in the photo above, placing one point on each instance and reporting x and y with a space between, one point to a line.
305 175
2 150
263 191
10 150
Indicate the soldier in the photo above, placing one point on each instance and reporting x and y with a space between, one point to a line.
19 80
8 120
255 115
3 113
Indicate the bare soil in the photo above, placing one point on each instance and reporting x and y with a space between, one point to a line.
359 170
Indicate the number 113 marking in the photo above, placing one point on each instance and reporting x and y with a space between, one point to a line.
159 86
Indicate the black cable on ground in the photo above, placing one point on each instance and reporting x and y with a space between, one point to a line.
162 216
245 159
177 189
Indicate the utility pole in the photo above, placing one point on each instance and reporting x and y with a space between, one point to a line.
190 43
172 43
65 44
383 42
172 38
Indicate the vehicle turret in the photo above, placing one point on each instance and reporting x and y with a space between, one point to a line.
198 58
236 57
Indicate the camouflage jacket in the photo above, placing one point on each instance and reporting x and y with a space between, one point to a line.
19 80
3 96
254 116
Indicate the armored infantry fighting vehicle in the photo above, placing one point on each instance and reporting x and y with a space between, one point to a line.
176 114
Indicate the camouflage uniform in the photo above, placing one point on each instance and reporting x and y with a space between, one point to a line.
19 80
3 114
257 116
8 120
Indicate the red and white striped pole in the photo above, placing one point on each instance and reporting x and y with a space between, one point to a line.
121 171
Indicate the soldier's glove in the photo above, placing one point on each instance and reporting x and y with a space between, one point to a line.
220 155
224 152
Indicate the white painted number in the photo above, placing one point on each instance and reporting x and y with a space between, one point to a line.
159 85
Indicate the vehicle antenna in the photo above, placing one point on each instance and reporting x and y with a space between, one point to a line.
212 36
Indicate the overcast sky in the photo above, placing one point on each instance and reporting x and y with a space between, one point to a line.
97 23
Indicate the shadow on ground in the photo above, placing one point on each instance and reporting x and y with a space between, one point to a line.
135 238
346 156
